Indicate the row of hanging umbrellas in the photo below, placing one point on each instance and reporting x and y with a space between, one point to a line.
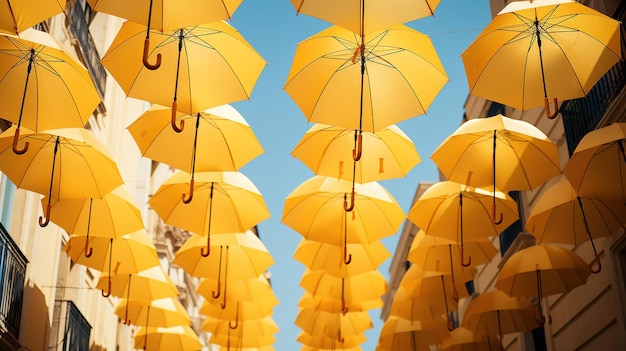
355 80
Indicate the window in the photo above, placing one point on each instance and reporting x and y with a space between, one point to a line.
509 234
7 190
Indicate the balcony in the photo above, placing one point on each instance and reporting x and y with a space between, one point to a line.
12 273
80 29
583 115
70 330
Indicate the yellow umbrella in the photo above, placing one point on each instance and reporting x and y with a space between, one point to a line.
403 334
324 342
164 15
316 210
241 311
312 348
496 313
542 270
62 163
222 140
326 150
562 216
365 287
440 254
338 78
165 312
459 212
415 308
245 252
17 16
226 202
329 304
246 342
112 216
365 16
42 87
337 325
437 289
237 290
596 168
522 157
177 338
129 254
463 339
263 326
317 255
150 284
539 49
212 64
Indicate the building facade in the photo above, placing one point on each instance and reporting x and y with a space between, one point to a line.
592 316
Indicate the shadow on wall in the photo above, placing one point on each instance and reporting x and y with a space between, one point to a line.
35 323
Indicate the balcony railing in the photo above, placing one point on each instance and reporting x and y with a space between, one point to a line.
12 273
71 331
583 115
80 29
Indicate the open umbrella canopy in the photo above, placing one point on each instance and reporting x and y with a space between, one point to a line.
249 328
17 16
236 290
435 253
337 79
315 209
560 215
112 216
165 312
403 334
496 313
321 323
498 151
177 338
597 168
366 16
317 255
147 285
168 14
233 340
541 49
433 286
128 254
42 87
242 311
212 64
222 140
386 154
325 342
463 339
415 308
329 304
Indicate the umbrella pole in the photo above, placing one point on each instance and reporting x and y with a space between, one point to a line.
219 278
358 140
347 258
445 300
344 308
176 128
42 222
109 276
223 304
346 207
469 258
146 45
455 293
145 340
499 325
16 136
493 166
126 320
234 326
539 317
208 240
596 258
193 162
546 102
89 250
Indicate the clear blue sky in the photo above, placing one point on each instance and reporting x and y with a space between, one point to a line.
274 29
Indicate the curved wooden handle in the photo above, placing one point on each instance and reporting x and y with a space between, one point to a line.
108 293
208 247
16 137
469 259
547 107
344 308
233 326
219 290
45 220
88 250
493 215
347 207
146 52
598 264
176 128
186 199
347 258
358 148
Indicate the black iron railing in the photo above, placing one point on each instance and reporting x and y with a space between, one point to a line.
80 28
12 274
75 330
583 115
